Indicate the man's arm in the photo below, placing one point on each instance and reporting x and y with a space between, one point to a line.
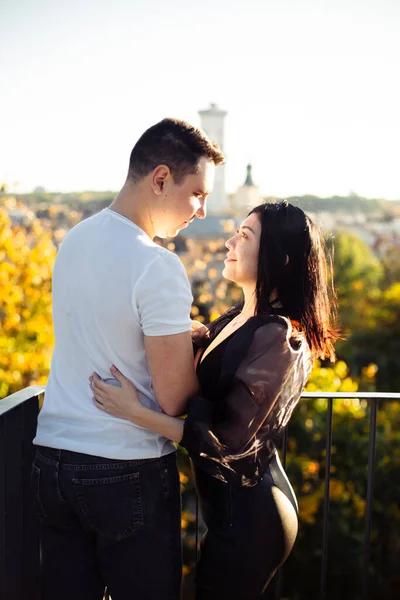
170 360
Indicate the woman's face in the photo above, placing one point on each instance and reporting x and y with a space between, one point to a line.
242 258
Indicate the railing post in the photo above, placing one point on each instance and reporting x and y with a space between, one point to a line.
31 575
370 489
279 574
325 529
15 513
3 509
197 528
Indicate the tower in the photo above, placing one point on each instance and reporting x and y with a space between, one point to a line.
212 121
248 195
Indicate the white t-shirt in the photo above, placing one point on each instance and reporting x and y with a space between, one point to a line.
111 286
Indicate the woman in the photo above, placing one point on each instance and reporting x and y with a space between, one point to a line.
252 368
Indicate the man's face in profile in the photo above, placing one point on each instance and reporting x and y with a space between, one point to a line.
187 200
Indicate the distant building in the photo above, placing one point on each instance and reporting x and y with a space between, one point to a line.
248 195
212 121
214 226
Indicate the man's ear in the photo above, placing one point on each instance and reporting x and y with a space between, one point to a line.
159 177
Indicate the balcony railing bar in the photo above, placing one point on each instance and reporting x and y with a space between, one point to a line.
370 488
360 395
197 528
325 526
279 574
7 404
3 510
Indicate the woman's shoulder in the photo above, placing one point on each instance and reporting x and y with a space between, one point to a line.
263 336
268 326
279 330
254 338
273 323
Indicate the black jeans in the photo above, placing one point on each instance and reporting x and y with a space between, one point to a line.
108 523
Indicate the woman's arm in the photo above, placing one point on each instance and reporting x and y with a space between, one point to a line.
123 402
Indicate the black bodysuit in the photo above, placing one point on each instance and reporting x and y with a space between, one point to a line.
249 383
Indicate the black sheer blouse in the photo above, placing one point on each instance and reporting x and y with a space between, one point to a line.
250 384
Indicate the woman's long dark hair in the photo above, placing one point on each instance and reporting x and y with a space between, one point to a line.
292 276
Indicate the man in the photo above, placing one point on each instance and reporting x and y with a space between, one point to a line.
107 491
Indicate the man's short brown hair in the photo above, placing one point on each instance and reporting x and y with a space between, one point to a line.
174 143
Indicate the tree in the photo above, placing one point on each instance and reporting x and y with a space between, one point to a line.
391 264
358 275
378 340
26 335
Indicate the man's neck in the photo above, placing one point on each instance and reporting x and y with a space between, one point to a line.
132 204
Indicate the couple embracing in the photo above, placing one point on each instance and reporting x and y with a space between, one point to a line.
128 363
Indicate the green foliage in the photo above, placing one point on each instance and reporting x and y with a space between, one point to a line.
369 309
358 275
391 265
378 340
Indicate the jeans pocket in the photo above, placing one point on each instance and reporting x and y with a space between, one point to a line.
35 480
111 506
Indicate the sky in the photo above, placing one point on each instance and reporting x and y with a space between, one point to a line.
311 89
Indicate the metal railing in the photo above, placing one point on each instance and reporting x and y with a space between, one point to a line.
19 535
19 532
372 398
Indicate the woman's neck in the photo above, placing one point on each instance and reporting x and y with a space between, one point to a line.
249 306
